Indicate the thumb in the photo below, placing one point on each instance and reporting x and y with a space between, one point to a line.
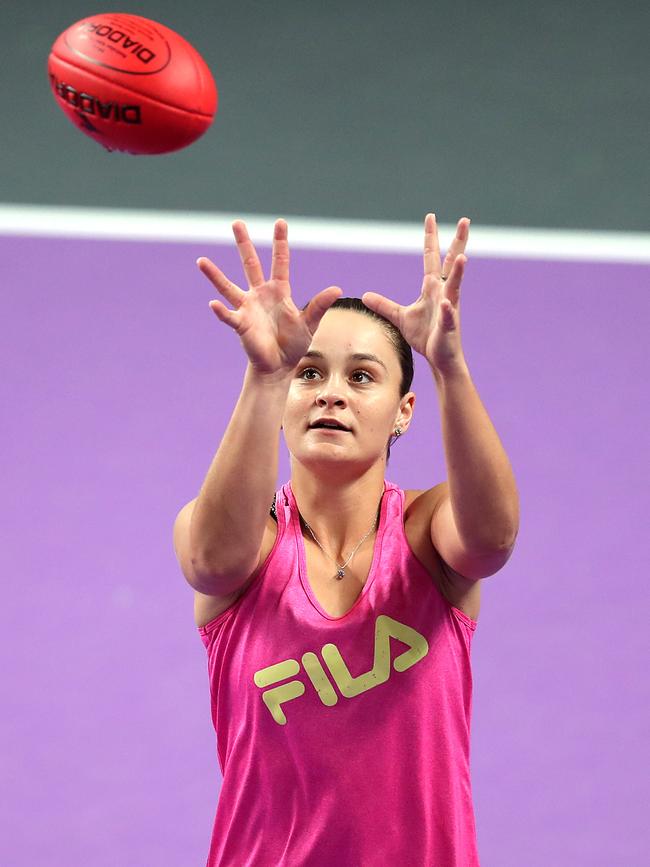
447 315
319 305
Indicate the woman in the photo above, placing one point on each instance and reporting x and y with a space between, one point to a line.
336 745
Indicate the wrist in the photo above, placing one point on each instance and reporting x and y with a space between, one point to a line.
280 379
453 370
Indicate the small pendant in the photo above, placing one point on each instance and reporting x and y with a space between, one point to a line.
341 573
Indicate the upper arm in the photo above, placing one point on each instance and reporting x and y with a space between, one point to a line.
205 584
182 543
447 542
183 548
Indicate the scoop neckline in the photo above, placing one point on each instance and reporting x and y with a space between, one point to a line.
302 557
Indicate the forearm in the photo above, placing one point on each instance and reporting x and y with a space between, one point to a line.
233 504
482 492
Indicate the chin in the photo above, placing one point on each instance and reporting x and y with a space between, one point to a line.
324 456
327 460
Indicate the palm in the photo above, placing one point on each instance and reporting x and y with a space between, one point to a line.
273 331
270 325
431 324
419 322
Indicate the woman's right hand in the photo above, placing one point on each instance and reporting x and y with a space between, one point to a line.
273 331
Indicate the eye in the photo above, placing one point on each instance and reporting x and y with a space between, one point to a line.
306 370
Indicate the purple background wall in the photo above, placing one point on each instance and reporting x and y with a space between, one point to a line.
117 384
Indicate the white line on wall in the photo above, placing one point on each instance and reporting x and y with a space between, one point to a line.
315 233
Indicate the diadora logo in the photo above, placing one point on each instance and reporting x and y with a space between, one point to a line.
89 104
385 628
121 38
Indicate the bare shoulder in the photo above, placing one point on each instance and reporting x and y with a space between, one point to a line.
206 608
459 591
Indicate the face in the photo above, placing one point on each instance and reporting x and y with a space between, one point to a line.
362 393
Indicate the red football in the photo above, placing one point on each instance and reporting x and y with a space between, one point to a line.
132 84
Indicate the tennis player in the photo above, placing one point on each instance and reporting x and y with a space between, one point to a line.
337 610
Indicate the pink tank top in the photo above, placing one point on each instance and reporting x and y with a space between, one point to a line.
342 740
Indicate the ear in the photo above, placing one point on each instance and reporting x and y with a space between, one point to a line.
406 410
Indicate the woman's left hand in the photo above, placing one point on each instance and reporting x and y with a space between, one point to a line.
431 325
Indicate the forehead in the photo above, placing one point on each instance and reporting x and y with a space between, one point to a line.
341 332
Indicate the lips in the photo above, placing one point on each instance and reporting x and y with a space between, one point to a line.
328 424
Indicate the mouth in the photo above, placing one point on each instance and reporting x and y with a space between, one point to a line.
327 427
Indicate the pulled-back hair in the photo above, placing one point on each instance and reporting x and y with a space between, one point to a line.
402 347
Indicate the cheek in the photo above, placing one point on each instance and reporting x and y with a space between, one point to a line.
296 411
374 417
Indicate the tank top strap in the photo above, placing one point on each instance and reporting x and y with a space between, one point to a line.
284 543
282 503
394 521
391 486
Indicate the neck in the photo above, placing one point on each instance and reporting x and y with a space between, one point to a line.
338 513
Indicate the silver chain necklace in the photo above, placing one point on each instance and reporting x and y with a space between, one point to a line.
340 569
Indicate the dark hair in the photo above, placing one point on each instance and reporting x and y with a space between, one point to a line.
402 347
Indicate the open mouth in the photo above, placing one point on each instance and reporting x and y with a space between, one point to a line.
328 427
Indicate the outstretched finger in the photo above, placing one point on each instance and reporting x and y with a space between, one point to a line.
280 256
225 315
431 246
453 281
382 305
319 305
247 254
457 246
233 294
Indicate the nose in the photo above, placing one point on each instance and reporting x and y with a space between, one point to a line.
330 396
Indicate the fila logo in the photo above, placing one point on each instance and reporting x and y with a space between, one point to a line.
385 628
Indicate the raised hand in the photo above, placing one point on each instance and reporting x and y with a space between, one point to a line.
273 331
431 324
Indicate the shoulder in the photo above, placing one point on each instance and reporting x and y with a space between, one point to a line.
422 501
206 608
419 507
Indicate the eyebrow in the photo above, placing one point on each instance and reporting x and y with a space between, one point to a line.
355 356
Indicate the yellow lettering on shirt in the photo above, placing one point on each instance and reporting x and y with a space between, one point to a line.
349 686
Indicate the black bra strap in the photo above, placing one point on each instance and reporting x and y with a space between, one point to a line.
273 512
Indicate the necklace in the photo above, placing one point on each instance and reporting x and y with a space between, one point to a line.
340 569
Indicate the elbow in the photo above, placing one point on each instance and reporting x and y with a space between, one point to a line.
502 536
218 580
499 541
476 564
506 541
487 556
503 546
